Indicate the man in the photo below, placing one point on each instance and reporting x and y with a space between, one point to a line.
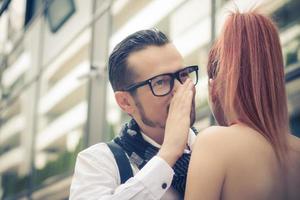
145 70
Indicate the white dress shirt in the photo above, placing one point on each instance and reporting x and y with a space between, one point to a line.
96 176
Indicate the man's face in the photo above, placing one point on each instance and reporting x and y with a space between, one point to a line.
152 110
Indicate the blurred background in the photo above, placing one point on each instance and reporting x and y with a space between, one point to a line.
55 99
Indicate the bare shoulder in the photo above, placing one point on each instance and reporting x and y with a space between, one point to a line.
213 136
228 135
233 140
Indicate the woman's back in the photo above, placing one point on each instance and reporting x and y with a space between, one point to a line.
253 172
245 165
246 88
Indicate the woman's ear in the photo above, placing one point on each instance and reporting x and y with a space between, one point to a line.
125 101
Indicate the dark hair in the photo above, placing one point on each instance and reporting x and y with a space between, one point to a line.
119 74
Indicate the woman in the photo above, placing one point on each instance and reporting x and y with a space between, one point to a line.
251 155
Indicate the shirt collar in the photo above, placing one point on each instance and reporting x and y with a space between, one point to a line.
149 140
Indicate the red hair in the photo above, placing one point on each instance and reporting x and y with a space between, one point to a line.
246 64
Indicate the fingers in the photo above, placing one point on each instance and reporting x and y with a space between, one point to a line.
182 100
184 92
187 85
178 122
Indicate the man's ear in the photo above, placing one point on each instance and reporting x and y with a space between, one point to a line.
125 101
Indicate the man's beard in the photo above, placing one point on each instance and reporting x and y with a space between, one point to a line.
147 121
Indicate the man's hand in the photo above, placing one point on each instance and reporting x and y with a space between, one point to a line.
178 124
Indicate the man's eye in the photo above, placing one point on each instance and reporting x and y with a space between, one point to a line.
159 82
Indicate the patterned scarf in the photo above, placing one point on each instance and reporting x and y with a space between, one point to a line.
140 152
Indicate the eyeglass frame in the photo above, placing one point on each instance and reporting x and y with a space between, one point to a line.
174 76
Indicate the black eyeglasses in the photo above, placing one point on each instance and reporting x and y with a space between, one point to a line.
163 84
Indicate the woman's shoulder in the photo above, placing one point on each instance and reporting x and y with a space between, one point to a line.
227 134
223 134
233 139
